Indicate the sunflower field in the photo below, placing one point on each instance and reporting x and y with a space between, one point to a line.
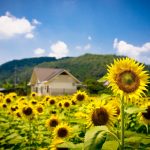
81 121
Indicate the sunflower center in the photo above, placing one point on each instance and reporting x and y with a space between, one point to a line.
40 109
53 123
18 114
100 116
52 102
80 97
66 104
8 100
4 105
62 132
147 113
128 81
27 111
34 102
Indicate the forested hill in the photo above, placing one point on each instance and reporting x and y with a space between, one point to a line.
20 69
88 66
83 67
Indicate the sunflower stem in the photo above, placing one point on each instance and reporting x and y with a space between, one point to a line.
122 123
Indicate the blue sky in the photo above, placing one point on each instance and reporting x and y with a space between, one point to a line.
34 28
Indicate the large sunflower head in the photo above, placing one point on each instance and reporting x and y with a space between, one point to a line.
145 116
62 131
127 78
101 115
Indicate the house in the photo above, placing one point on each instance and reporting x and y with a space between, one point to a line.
53 81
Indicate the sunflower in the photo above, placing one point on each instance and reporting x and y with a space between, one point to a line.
145 116
33 94
8 100
33 102
101 115
28 112
62 131
80 96
127 78
116 104
67 104
55 143
52 122
39 109
52 101
4 105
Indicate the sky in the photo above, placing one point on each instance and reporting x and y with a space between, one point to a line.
60 28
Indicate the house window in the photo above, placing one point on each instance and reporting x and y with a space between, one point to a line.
41 89
47 89
36 89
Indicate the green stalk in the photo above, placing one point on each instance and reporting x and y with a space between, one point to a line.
122 123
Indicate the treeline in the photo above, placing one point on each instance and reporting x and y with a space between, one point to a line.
87 68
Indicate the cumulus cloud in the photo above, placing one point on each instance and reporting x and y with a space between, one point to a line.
59 49
29 36
39 51
11 26
35 22
140 53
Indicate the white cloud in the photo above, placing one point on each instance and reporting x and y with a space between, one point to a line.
35 22
59 49
87 47
89 38
29 36
11 26
141 53
39 51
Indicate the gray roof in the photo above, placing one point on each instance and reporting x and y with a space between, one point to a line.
45 74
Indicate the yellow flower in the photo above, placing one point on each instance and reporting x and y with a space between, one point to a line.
67 104
62 131
145 116
101 115
55 143
127 78
27 111
39 108
33 94
80 96
116 104
52 122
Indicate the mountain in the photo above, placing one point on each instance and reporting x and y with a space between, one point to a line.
88 66
85 66
20 69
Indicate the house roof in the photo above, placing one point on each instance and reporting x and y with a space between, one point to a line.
46 74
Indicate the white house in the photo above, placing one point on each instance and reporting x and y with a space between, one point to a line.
52 81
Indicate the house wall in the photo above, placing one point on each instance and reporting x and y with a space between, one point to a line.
62 84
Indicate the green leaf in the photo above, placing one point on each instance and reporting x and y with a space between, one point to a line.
95 138
110 145
132 110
